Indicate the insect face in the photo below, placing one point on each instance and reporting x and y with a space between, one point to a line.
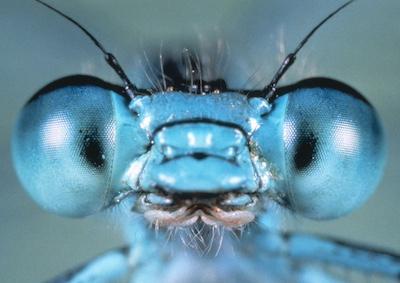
186 156
180 146
191 157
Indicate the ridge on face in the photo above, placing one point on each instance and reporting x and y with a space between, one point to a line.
199 164
162 108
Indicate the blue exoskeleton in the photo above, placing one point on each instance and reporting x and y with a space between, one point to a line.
201 173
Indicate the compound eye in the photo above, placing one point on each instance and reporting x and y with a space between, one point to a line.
64 148
334 151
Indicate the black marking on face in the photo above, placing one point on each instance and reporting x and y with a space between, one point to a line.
186 79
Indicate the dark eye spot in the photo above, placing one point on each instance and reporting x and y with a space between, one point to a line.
305 151
92 150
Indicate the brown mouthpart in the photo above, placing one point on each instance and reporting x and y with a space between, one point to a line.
233 210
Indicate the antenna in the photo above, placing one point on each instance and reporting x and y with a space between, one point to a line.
291 57
130 88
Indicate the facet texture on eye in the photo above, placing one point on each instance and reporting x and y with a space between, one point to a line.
306 150
332 154
92 148
335 131
65 145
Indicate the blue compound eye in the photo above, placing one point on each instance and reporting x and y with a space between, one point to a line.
328 147
66 144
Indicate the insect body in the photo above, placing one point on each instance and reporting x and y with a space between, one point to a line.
193 166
